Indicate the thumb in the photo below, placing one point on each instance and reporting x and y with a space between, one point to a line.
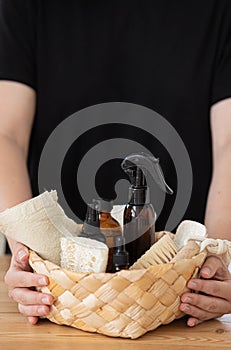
21 254
211 267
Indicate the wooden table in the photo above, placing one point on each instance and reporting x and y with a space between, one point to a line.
16 333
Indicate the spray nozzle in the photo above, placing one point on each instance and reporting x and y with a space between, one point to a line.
135 173
136 166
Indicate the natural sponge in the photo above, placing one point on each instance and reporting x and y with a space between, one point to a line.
82 254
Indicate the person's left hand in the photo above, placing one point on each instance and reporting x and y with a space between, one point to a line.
215 284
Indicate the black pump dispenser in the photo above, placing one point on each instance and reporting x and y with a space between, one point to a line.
92 216
91 225
139 214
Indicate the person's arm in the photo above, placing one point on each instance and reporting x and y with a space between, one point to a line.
17 106
17 109
218 212
215 283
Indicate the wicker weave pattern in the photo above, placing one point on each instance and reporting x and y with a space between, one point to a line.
125 304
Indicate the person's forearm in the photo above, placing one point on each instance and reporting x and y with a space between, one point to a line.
14 179
218 211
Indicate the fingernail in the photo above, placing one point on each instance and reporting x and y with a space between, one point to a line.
192 284
42 281
45 300
22 254
186 300
206 271
41 311
191 323
185 308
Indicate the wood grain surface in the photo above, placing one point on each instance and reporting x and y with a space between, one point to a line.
16 333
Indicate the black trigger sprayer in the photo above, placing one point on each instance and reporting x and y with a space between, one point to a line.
139 215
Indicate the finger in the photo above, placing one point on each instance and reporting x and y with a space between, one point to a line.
214 266
33 310
211 287
206 303
26 296
192 321
22 279
32 319
21 256
198 313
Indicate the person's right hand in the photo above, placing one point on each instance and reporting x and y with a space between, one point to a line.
21 283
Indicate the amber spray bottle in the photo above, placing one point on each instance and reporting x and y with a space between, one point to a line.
139 214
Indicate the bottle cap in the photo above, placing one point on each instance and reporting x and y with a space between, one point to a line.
120 256
121 259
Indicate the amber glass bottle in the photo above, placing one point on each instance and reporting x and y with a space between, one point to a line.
109 227
139 230
139 216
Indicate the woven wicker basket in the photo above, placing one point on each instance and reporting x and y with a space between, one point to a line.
125 304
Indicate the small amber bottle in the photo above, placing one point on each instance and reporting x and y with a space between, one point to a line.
120 258
109 227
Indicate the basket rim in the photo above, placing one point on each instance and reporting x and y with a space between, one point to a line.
200 256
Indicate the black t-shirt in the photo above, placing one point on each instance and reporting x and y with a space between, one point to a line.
173 57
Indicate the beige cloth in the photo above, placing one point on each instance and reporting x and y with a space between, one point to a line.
214 247
39 223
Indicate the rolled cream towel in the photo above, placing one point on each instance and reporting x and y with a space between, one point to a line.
82 254
39 223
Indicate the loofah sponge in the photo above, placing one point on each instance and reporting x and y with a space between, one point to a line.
81 254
